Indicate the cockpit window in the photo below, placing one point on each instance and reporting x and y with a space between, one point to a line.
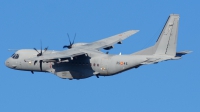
15 56
12 55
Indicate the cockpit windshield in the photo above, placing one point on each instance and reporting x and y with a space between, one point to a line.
15 56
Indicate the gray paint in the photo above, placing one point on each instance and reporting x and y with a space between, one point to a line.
84 60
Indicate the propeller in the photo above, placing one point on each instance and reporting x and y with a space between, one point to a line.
70 43
40 54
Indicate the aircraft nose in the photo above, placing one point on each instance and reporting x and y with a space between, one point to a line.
7 63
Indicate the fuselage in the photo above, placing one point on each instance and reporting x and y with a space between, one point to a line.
79 67
83 60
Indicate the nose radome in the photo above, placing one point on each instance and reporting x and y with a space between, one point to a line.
7 63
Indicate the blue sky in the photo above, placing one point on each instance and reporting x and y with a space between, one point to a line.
165 87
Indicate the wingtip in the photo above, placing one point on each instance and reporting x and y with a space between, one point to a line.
174 15
134 31
189 51
137 30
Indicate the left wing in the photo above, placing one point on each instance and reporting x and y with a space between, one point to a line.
58 55
110 41
63 55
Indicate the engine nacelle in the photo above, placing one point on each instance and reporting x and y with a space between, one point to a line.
108 48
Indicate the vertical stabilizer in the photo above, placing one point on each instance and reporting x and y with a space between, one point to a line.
167 41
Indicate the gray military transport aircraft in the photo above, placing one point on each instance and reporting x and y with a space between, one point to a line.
83 60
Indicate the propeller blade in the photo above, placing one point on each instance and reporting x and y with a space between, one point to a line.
69 39
41 51
74 39
45 49
66 46
70 42
35 49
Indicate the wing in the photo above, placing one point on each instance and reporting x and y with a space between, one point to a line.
63 55
85 49
110 41
58 55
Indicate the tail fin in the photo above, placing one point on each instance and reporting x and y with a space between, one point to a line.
167 41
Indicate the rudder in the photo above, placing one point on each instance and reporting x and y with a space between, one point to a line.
167 41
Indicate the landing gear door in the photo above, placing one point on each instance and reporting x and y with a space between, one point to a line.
104 66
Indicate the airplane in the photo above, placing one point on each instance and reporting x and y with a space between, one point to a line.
83 60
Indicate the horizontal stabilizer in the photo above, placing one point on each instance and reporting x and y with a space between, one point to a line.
179 54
